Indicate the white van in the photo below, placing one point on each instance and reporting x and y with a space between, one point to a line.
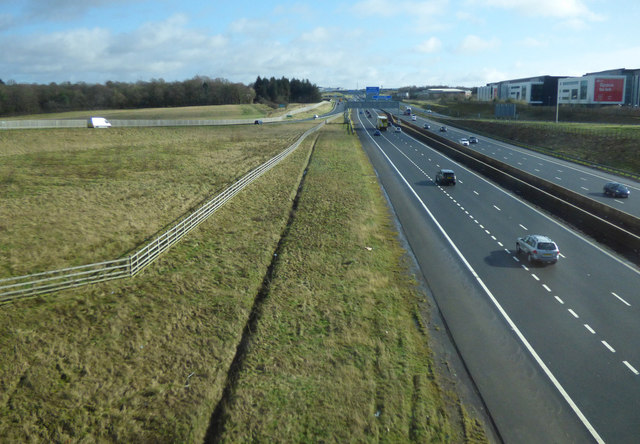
98 122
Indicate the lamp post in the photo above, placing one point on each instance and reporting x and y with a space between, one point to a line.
558 101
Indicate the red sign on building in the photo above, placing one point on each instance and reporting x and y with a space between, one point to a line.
608 90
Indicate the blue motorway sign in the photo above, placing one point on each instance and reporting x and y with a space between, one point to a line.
381 97
373 90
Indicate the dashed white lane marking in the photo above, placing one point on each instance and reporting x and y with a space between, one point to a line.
476 193
546 287
630 367
623 301
574 314
584 188
611 349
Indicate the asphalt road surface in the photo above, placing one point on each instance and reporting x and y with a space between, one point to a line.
581 179
554 350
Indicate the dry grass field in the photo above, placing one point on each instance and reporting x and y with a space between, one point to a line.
76 196
289 315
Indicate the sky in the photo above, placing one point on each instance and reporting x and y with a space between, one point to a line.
331 43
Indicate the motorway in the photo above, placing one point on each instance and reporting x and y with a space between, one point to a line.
553 350
583 180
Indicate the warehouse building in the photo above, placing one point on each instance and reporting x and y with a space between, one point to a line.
541 90
611 87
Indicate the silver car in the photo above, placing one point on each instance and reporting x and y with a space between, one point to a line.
538 248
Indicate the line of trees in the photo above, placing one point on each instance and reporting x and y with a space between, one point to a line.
17 99
286 91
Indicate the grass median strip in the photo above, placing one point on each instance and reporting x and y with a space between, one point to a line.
336 354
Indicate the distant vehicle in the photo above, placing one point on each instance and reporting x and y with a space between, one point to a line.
429 111
98 122
427 126
407 111
315 116
444 177
538 248
443 129
616 189
464 142
360 112
413 117
398 129
473 139
377 133
382 123
257 122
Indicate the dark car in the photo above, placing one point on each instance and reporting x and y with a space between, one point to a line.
377 133
445 177
616 189
426 126
258 122
443 129
473 139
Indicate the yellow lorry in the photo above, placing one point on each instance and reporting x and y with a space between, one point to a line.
382 123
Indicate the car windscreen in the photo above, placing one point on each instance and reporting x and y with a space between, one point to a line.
448 174
546 246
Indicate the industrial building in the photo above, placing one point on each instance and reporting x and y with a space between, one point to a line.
541 90
611 87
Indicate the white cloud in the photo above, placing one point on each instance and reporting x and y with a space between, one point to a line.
472 44
431 45
530 42
420 10
563 9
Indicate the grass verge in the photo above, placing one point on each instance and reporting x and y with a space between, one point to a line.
337 353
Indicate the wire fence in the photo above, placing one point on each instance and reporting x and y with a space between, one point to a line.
51 281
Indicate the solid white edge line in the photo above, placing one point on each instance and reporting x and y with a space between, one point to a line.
504 314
